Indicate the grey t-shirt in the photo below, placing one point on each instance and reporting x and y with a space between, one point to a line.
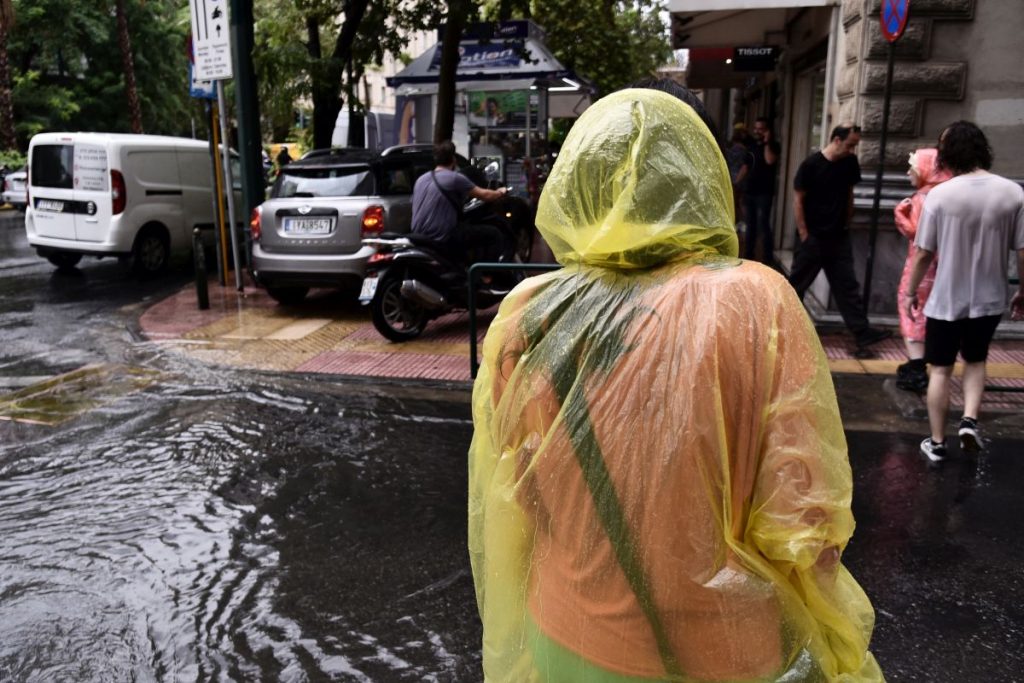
432 214
971 222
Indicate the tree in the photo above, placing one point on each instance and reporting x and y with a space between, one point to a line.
332 55
125 43
65 77
455 21
7 137
611 42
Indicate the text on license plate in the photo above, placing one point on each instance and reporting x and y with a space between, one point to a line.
308 226
369 289
49 205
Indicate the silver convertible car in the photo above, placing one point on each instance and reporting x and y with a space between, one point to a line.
309 233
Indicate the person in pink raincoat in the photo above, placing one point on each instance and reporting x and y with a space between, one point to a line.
924 174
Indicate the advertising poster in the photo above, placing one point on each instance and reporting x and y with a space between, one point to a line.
496 108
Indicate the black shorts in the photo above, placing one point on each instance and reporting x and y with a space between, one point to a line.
969 336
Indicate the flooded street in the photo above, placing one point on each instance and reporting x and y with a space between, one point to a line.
162 519
237 531
219 524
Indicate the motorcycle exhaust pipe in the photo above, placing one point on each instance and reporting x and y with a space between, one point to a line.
428 297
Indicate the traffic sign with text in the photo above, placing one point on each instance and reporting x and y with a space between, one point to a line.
211 42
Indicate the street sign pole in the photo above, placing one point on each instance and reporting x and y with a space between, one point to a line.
893 16
229 186
876 203
211 52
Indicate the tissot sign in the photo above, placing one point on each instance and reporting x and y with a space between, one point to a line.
755 58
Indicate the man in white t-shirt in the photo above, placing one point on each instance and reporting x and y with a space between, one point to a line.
971 221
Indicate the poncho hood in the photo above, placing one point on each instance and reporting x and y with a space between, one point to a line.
640 181
926 161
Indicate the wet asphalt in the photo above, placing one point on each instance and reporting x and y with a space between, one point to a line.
221 524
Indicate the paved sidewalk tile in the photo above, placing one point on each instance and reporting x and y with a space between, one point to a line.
336 336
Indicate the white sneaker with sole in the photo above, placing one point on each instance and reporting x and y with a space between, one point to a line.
970 439
936 452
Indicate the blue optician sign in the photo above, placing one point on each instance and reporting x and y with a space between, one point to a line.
495 55
894 18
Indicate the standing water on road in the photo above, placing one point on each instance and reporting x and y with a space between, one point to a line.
212 527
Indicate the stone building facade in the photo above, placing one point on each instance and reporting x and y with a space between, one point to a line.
958 59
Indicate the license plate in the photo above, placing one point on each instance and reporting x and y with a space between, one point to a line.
308 226
50 205
368 290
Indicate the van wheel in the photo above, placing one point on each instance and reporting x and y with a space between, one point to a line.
64 260
151 252
287 295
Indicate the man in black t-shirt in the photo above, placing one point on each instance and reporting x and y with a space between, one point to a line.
823 206
761 164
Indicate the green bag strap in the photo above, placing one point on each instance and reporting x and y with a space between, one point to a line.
606 501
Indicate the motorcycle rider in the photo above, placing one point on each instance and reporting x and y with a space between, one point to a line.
437 200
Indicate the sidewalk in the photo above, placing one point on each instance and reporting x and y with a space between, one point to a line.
330 334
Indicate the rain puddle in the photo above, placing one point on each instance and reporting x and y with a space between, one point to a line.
218 527
60 398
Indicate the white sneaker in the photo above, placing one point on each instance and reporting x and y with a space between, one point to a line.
970 439
936 452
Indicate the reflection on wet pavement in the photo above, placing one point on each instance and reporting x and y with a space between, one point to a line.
938 550
54 400
238 532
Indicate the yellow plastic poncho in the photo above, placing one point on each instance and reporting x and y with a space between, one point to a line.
659 485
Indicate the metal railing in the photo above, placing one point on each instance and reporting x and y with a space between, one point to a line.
475 271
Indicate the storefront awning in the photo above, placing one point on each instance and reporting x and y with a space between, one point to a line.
728 23
510 55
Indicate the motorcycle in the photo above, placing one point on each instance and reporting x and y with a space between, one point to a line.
412 279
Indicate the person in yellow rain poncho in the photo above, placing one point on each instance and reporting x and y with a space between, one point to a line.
659 484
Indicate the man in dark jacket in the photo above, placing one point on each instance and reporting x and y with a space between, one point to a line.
762 165
823 206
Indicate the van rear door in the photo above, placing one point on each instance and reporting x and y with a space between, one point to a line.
93 203
51 183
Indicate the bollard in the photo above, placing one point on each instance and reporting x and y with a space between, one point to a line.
199 256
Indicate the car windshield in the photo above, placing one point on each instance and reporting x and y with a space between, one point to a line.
343 181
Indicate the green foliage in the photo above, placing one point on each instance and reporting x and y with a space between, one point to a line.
12 158
289 64
67 73
610 42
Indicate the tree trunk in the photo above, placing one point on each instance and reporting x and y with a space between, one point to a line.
124 40
444 120
7 138
327 80
326 104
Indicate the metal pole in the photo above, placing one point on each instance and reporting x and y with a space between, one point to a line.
471 302
199 259
873 235
229 186
527 124
250 146
487 117
218 196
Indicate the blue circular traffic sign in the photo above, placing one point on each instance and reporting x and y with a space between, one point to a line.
894 18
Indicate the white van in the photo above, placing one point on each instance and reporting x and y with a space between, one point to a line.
105 194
